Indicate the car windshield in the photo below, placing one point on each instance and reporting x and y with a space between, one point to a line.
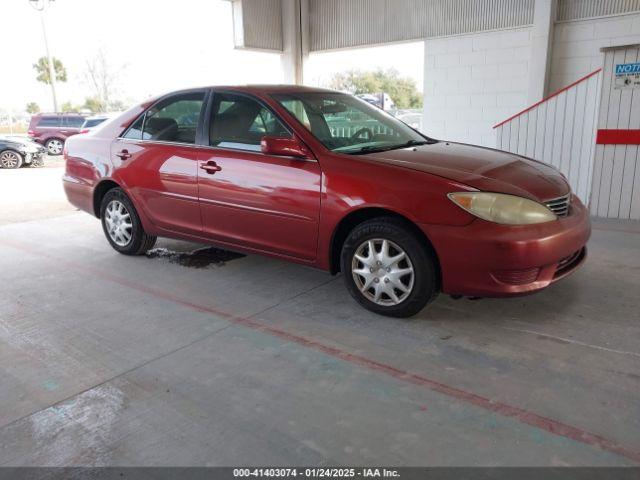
346 124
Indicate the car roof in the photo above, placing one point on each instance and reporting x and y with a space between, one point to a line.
274 88
258 89
53 114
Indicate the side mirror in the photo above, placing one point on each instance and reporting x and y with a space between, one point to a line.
284 147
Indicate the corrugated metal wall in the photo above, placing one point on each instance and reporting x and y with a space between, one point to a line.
348 23
616 177
260 22
578 9
559 131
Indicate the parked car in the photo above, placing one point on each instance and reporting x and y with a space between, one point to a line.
17 151
380 99
92 122
401 215
53 129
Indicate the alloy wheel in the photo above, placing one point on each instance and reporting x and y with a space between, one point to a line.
9 160
54 147
382 272
118 222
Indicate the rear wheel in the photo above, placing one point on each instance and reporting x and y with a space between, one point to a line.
122 225
387 269
10 159
54 146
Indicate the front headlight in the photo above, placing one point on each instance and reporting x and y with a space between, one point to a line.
502 208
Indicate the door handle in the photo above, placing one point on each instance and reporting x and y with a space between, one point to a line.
123 154
211 167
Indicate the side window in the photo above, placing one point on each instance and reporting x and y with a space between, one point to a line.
240 122
73 122
174 119
296 108
50 122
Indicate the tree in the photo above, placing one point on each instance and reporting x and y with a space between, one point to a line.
68 107
42 69
402 90
102 77
93 104
33 108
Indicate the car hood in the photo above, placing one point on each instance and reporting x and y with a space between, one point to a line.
18 142
482 168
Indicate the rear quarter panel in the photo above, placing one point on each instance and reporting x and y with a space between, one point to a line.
88 159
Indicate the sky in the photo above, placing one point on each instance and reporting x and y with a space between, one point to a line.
155 46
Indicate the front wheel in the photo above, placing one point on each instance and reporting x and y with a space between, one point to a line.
10 159
122 225
387 269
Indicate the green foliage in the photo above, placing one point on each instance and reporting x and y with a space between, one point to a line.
42 69
402 90
33 108
94 105
68 107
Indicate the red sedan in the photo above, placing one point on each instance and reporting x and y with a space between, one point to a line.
325 179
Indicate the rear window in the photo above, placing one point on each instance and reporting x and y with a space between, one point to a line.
93 122
50 122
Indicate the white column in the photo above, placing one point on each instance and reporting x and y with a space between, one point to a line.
541 44
295 39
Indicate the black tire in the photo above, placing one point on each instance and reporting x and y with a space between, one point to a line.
54 142
425 281
140 241
10 159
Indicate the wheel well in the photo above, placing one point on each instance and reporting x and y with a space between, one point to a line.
349 222
99 193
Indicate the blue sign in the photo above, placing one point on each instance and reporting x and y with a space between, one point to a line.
627 68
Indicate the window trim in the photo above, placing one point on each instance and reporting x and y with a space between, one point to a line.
143 115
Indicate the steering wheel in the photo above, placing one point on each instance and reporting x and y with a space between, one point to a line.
360 131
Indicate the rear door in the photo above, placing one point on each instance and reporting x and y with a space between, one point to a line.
157 159
266 202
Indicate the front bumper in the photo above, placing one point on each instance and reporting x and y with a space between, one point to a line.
31 156
490 260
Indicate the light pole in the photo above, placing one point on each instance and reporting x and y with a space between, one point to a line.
41 6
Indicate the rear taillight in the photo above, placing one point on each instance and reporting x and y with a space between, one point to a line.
84 130
31 133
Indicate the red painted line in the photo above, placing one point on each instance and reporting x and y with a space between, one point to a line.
524 416
618 137
554 94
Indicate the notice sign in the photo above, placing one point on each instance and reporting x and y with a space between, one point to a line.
627 75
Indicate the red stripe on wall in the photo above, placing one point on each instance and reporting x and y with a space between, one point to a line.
618 137
554 94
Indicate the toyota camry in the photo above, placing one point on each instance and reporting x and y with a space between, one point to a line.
325 179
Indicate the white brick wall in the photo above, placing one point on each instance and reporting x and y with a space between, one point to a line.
472 82
576 46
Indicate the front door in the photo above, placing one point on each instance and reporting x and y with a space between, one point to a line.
259 201
158 162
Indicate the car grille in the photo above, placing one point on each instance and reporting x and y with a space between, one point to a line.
568 263
560 205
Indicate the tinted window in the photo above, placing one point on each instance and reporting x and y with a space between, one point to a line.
73 122
174 119
346 124
50 122
93 122
241 122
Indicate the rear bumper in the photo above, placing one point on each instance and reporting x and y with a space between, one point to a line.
491 260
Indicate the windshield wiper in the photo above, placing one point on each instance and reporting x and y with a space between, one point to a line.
375 149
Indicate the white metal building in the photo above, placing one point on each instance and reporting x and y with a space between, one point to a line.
485 60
